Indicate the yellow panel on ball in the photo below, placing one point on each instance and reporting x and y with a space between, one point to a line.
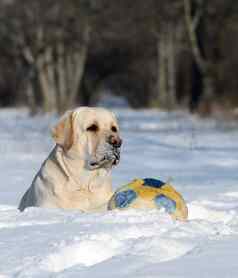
150 193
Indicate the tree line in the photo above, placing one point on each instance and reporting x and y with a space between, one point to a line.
58 54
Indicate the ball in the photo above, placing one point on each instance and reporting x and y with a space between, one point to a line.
150 193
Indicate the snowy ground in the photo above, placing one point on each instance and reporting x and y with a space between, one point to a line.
200 157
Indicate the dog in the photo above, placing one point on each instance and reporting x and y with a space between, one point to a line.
77 173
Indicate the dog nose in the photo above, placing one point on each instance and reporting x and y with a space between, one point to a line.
115 141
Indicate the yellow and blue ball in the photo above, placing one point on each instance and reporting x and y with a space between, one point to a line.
150 193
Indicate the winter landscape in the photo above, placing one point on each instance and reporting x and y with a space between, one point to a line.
168 69
198 156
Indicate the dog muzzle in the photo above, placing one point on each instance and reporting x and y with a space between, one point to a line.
110 157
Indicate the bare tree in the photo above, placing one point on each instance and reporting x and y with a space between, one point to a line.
205 66
205 22
168 31
51 39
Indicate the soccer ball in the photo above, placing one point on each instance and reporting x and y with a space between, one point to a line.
150 193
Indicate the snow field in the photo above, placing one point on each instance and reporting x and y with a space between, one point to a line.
200 157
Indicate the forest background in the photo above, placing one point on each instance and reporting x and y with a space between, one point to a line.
179 54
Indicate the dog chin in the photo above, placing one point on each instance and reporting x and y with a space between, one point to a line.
107 161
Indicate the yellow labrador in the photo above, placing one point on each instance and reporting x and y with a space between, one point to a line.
77 173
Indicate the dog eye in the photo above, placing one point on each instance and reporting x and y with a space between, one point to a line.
114 129
93 128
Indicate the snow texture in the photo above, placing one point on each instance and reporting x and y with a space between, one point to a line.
200 157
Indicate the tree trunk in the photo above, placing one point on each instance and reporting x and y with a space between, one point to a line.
47 82
166 46
194 22
30 93
78 61
61 70
171 58
162 73
70 69
205 106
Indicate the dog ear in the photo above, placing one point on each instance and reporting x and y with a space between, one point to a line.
63 132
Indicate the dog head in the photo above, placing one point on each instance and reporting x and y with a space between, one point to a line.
91 134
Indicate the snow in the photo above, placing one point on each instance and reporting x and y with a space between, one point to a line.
199 156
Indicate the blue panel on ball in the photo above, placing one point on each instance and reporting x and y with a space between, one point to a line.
124 198
168 204
153 183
